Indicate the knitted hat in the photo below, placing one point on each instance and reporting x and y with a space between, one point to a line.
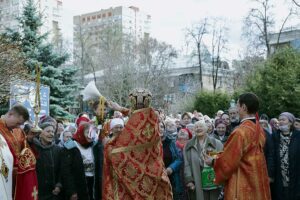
46 121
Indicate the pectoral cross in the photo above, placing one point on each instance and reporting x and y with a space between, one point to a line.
148 132
34 194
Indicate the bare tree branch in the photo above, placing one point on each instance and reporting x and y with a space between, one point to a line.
296 3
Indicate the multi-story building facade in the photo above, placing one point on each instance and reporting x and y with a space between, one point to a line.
107 33
130 20
51 11
286 38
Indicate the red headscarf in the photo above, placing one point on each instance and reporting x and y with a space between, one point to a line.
189 132
79 135
82 119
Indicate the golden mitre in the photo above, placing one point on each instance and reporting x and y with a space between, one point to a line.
140 98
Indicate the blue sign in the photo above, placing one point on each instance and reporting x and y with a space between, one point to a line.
23 92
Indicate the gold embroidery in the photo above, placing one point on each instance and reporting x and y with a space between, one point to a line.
148 132
130 171
147 184
34 194
116 187
26 159
136 147
4 168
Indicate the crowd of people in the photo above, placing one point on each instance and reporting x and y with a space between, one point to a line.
232 155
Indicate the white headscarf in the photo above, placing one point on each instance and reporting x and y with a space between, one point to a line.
116 121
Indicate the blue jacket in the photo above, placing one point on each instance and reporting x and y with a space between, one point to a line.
177 161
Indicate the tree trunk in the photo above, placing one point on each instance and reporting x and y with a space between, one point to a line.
200 65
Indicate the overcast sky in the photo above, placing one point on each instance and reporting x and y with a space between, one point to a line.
170 17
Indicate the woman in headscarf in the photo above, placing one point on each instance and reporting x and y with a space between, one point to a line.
183 136
82 166
287 159
48 162
65 136
172 161
194 163
220 132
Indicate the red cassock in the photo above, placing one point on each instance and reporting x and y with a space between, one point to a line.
133 162
242 166
24 173
26 180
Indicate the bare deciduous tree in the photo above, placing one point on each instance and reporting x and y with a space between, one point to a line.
82 53
195 36
218 46
257 26
154 59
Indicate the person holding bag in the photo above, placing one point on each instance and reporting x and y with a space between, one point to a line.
198 175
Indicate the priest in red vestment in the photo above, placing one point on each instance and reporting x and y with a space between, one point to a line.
133 160
24 175
242 166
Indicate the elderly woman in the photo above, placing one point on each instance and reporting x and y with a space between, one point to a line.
172 161
171 128
48 162
194 162
287 159
183 136
64 137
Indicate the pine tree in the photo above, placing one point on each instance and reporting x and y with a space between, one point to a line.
37 49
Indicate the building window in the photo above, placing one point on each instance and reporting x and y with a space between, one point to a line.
103 15
109 14
94 17
83 19
88 19
98 16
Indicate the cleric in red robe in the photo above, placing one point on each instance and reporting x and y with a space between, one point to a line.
242 166
133 164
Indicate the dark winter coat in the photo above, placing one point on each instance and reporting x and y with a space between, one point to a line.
294 168
73 175
269 153
48 170
177 185
216 136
